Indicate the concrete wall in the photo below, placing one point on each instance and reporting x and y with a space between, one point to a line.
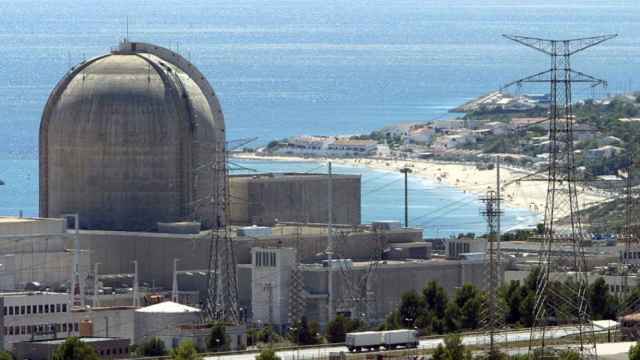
115 250
109 321
381 294
30 226
268 198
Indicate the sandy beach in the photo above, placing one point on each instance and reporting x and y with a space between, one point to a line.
464 176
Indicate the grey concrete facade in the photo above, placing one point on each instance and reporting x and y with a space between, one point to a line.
265 199
128 139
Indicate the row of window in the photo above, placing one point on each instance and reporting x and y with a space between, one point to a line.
41 329
34 309
117 351
631 255
265 258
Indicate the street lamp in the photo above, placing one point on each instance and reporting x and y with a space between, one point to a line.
406 171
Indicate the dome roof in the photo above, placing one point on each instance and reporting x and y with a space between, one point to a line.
126 139
168 307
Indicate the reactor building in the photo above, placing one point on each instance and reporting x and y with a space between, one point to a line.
130 139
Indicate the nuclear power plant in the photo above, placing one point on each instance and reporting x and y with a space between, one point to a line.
133 143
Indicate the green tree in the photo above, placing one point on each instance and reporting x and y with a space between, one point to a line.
186 351
634 352
469 302
435 299
411 306
74 349
267 354
152 347
603 304
217 340
337 329
5 355
512 296
305 333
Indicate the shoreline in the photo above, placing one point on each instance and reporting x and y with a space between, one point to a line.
463 176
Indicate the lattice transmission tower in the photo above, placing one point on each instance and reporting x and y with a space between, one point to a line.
563 280
492 318
222 297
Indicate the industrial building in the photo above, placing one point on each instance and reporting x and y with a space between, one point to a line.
106 348
133 142
266 199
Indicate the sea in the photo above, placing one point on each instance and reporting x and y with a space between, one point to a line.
291 67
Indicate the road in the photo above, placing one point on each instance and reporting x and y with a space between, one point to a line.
432 343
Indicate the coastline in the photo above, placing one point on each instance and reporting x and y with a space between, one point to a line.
463 176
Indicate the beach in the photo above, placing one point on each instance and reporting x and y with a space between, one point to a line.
463 176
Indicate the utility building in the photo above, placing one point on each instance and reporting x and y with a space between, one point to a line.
271 274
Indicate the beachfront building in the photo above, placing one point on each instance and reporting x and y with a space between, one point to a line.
496 128
343 147
305 146
327 146
603 152
423 135
449 142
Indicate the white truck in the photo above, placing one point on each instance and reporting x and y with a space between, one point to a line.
374 340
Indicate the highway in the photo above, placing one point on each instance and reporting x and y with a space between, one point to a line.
431 343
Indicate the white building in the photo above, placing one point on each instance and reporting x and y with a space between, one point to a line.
271 270
36 250
497 127
327 146
305 146
36 315
352 148
162 321
603 152
456 248
423 135
449 142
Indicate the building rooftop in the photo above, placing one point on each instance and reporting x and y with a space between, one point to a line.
15 219
83 339
168 307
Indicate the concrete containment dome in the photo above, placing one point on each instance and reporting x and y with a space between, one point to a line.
128 139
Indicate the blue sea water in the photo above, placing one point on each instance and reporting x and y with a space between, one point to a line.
288 67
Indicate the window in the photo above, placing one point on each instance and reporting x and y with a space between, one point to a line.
75 327
10 310
64 307
46 308
64 327
40 309
10 330
22 309
5 310
28 309
58 307
29 328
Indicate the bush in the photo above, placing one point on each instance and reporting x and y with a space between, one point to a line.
186 351
634 352
267 354
74 349
217 340
5 355
152 347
